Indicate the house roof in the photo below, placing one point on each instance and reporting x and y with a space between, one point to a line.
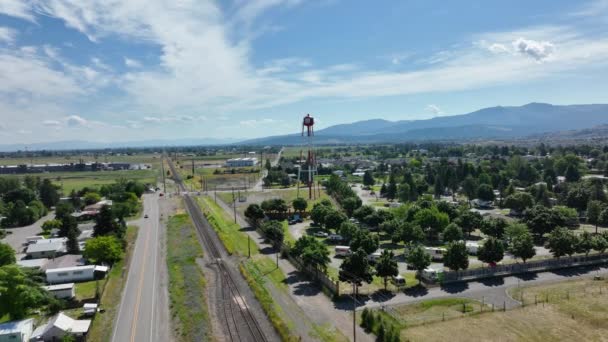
59 287
44 247
15 326
37 263
64 323
70 269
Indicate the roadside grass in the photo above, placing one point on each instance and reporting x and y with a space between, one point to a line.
188 305
87 290
328 333
582 317
103 323
256 279
229 232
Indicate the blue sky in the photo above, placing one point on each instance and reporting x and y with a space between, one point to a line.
122 70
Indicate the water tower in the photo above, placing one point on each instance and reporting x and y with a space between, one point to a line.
309 166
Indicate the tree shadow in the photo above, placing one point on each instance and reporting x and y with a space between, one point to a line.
268 250
455 287
526 276
416 291
382 296
307 288
494 281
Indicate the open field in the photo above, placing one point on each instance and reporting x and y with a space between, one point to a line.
188 304
101 327
144 158
86 290
69 181
583 317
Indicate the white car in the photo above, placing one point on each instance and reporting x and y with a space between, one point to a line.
321 234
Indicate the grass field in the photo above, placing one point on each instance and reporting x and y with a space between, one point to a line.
87 289
69 181
188 305
102 325
582 317
144 158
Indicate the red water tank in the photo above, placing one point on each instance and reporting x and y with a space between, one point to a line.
308 121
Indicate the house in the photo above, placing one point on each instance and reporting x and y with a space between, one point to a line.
59 326
62 291
17 331
73 274
45 250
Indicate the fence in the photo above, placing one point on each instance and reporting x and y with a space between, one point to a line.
531 266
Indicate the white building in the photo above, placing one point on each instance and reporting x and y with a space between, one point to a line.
241 162
16 331
73 274
62 291
33 263
59 326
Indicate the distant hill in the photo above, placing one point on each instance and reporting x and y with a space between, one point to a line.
488 123
88 145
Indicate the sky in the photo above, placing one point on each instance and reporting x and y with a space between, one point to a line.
127 70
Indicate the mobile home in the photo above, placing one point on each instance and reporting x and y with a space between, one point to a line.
342 250
436 253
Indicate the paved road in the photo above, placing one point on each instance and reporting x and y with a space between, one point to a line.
16 237
143 312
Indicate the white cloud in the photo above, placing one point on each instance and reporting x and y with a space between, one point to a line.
52 123
76 121
539 50
17 8
434 109
132 63
498 48
7 35
255 123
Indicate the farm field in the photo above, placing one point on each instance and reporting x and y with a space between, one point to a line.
583 317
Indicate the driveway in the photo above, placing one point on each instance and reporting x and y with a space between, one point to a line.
16 236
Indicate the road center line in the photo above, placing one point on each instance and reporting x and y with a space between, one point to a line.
141 282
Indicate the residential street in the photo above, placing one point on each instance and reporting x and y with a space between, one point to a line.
143 313
16 236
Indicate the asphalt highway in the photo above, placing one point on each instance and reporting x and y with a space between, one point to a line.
143 312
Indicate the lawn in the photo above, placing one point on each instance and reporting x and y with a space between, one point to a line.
583 317
188 305
102 325
87 289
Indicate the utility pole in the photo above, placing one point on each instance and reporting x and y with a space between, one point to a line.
354 311
162 170
192 167
234 204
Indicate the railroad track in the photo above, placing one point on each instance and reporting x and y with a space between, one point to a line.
240 323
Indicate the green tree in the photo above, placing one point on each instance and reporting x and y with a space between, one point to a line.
334 219
485 192
494 226
452 233
49 194
312 251
515 229
386 266
469 187
299 204
68 225
594 209
456 257
585 243
72 243
51 224
362 212
318 214
268 166
18 292
603 219
105 222
273 230
350 204
492 251
572 173
562 242
368 179
103 250
522 246
600 243
365 241
469 221
7 254
254 215
91 198
542 220
433 220
519 201
410 233
355 268
391 189
419 259
348 230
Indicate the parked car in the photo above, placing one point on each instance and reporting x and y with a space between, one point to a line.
398 280
321 234
146 216
342 250
335 238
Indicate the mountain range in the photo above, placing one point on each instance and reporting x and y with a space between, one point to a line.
488 123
